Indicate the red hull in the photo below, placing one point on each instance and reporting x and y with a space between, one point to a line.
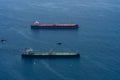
56 26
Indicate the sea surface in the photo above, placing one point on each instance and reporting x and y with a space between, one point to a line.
97 39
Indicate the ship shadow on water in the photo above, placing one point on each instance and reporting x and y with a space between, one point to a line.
50 58
37 30
34 60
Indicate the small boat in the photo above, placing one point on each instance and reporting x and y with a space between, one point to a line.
30 53
59 43
3 40
38 25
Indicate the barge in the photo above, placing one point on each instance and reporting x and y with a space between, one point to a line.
38 25
29 53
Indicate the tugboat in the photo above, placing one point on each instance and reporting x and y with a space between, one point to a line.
38 25
30 53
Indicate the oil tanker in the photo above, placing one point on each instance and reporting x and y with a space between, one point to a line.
28 53
38 25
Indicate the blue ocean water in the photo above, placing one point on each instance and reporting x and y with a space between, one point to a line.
97 40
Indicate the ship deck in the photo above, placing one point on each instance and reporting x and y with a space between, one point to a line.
50 54
53 53
54 26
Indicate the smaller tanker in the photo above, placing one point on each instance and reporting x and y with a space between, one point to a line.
38 25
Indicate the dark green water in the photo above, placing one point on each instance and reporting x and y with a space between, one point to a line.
97 40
